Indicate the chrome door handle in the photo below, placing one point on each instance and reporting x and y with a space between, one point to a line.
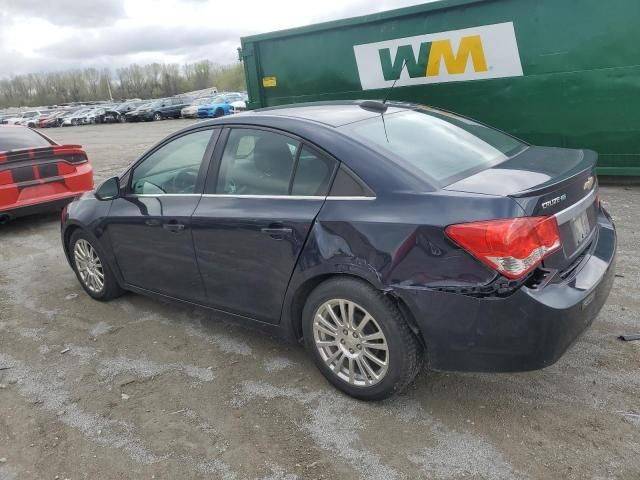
277 232
173 227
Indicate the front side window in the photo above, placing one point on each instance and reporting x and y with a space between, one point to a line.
173 168
256 162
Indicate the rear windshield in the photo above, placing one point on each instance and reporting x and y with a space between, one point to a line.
438 146
12 138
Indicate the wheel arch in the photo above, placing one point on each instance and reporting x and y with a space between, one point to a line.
292 313
66 237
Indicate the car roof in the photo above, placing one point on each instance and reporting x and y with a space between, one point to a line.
334 114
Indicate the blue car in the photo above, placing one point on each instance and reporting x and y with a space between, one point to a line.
220 105
380 235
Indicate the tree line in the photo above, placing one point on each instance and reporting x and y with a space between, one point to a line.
134 81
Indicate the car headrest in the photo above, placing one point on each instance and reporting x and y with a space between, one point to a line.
272 156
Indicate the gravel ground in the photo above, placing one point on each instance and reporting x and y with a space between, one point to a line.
153 390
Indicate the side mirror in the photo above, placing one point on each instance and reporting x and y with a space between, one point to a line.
109 189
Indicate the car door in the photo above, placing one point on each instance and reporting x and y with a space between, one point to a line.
262 195
172 107
149 225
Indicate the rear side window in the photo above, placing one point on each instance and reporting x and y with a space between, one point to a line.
256 162
346 185
313 174
436 145
12 138
261 162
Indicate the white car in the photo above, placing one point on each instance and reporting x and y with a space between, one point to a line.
29 119
75 118
191 111
238 106
13 120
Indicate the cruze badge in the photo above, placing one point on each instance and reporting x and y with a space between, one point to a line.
588 184
554 201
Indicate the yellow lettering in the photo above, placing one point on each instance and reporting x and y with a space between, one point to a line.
456 64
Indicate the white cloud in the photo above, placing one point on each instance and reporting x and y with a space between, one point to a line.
46 35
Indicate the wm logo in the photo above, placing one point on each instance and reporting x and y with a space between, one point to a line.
431 56
477 53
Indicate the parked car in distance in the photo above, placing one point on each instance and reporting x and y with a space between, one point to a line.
220 105
29 119
106 114
378 234
12 119
128 106
191 111
50 119
172 107
140 113
37 174
76 117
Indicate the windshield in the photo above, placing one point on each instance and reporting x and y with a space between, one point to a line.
438 145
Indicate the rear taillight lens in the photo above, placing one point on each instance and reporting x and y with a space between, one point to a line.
513 246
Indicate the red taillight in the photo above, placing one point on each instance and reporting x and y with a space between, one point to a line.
513 246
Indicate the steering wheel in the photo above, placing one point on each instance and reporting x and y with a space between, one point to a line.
184 180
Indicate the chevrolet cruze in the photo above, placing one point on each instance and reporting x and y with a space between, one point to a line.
383 236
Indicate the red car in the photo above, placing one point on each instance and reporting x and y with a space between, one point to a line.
37 174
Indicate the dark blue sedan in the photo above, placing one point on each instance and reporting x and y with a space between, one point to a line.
380 235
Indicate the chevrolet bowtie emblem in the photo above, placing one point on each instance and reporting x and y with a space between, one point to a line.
588 184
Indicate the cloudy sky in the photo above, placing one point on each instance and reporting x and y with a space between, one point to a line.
45 35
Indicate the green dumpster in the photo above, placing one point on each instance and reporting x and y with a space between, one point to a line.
553 72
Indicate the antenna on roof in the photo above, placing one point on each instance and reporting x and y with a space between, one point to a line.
404 64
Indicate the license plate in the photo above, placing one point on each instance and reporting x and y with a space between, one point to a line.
580 227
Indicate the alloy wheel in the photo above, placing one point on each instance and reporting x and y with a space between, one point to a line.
351 342
89 266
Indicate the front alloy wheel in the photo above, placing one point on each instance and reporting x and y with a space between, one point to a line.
94 274
89 266
351 342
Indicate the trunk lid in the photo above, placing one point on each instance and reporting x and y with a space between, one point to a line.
547 181
33 166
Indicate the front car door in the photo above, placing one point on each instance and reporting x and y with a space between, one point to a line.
150 225
261 198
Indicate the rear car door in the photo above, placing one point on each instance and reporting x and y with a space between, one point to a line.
261 199
149 226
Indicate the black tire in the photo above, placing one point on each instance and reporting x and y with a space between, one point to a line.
110 288
219 113
157 116
404 355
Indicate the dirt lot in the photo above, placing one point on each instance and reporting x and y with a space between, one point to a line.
152 390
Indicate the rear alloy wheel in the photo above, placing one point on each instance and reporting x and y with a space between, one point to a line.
219 113
94 275
157 116
359 339
351 343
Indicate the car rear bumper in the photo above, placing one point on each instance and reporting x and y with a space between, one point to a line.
20 199
527 330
